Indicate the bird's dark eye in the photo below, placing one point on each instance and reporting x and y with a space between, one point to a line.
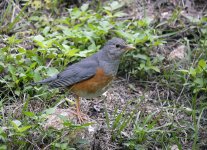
117 45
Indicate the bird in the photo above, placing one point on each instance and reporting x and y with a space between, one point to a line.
91 77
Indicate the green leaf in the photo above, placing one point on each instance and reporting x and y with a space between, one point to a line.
144 22
22 74
142 65
3 147
202 63
16 123
116 5
120 14
125 34
36 76
39 38
66 47
192 72
12 69
34 18
75 13
67 32
46 30
199 81
72 52
141 56
142 38
29 113
52 71
184 71
40 44
2 64
17 92
50 110
84 7
25 128
155 68
22 50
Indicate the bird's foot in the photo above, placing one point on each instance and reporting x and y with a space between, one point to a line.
80 116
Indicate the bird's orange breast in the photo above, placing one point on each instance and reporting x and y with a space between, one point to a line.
94 86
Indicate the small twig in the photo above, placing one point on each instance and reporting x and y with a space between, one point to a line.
17 108
59 103
35 145
203 8
48 65
150 82
176 120
158 94
13 14
182 89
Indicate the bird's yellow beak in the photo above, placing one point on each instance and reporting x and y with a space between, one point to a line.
129 47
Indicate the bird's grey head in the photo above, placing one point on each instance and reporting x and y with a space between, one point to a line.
115 47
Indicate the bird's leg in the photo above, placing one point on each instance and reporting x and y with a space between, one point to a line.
79 114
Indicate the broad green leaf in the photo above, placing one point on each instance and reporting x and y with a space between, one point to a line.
13 40
106 25
142 38
124 34
66 47
192 72
12 69
39 38
68 32
72 52
75 13
144 22
2 64
116 5
199 81
84 7
22 74
22 50
49 43
40 44
17 92
3 147
52 71
202 63
142 66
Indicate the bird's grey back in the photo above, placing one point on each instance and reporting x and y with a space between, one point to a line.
84 69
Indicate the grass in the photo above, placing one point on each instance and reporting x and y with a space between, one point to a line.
162 105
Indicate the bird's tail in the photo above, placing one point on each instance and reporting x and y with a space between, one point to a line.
45 81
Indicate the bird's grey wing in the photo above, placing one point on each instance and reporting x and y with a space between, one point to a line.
75 73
